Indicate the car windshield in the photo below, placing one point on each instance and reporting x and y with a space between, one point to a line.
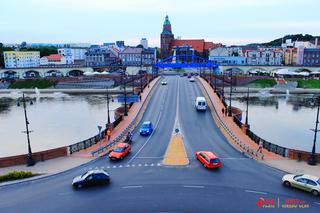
145 126
202 103
214 160
296 176
84 174
318 181
118 149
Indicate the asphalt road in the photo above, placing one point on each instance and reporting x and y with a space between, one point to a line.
140 183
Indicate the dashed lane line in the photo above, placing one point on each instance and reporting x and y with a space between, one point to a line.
193 186
131 187
255 192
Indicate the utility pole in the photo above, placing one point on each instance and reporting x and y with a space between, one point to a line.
247 111
30 161
313 158
230 107
108 107
125 95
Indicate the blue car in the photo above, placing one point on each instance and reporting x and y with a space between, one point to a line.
146 128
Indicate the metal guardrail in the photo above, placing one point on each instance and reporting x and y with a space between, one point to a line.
131 125
243 145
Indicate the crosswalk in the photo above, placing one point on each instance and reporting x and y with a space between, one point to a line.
125 166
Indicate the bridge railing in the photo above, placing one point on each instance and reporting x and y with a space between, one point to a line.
131 126
267 145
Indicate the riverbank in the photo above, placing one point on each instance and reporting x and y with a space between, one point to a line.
272 90
116 90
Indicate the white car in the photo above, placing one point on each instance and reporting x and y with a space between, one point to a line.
305 182
192 80
163 83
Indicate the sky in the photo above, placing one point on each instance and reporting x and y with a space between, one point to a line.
231 22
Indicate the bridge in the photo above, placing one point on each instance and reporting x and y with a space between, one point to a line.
267 69
43 72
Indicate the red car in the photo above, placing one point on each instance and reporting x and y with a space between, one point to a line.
208 159
122 150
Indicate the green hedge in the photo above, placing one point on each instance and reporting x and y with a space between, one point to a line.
312 83
16 175
29 84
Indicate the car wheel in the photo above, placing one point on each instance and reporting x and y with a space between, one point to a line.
287 183
121 158
79 186
315 192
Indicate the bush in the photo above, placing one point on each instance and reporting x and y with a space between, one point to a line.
16 175
312 83
29 84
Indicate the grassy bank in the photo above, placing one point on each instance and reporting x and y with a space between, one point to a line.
16 175
262 83
311 84
29 84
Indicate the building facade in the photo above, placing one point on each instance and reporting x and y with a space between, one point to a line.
97 57
229 60
311 57
132 56
21 59
264 57
73 54
53 60
144 43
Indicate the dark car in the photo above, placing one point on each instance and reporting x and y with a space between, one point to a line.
146 128
91 178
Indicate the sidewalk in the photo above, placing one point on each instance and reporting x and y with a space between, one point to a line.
271 159
61 164
133 111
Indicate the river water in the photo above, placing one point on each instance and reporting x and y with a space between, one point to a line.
56 120
285 120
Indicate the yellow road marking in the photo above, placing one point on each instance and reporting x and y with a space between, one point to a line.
176 154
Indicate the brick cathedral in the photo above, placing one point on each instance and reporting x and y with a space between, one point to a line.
168 42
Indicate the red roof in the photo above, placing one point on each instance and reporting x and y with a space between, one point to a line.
198 44
54 57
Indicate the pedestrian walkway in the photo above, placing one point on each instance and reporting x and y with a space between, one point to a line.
271 159
122 125
228 121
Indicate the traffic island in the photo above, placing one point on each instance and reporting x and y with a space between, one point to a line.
176 154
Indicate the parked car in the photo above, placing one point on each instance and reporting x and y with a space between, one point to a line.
192 80
304 182
208 159
146 128
118 153
163 83
91 178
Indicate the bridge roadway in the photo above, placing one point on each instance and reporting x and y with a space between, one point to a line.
140 183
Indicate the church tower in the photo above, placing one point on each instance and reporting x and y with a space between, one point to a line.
166 38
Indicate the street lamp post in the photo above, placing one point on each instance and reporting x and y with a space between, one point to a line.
125 95
215 82
30 161
230 107
247 111
210 76
108 107
222 85
313 158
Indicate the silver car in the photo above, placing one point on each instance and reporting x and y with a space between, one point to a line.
305 182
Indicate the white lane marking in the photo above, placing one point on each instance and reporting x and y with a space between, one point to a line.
255 192
120 166
131 187
152 164
155 127
146 164
317 203
114 167
108 167
158 164
133 165
192 186
128 165
139 164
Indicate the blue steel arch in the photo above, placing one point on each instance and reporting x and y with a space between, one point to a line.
185 61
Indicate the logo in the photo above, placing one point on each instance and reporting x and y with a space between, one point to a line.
265 203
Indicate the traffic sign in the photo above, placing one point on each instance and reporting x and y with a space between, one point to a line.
129 98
